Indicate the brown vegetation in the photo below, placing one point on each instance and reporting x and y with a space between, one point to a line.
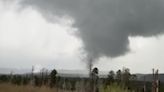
27 88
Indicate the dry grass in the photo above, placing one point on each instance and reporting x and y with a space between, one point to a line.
28 88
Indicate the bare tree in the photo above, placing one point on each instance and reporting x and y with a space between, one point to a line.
94 82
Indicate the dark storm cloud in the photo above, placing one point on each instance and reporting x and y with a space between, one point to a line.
105 25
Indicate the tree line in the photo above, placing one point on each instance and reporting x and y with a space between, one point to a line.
38 79
52 79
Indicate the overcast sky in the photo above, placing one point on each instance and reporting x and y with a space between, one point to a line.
57 34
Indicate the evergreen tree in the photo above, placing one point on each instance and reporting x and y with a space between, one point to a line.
53 78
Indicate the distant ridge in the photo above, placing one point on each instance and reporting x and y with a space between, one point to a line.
148 77
64 73
13 70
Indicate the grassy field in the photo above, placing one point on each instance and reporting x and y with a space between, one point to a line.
28 88
115 88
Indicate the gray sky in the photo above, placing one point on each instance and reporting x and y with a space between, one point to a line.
56 33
